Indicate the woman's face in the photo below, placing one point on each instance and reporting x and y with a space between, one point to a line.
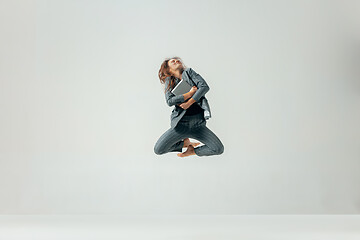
174 65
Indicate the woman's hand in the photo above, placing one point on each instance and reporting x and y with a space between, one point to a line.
185 105
193 90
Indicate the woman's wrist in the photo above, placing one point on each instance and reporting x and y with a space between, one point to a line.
191 101
187 95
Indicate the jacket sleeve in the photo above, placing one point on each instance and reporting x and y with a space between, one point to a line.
172 99
200 84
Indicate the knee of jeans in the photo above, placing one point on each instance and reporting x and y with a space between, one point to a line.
220 150
158 150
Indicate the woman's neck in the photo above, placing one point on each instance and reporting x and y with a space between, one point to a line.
178 74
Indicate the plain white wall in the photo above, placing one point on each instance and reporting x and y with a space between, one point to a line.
82 107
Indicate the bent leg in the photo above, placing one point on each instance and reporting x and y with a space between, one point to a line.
213 145
170 141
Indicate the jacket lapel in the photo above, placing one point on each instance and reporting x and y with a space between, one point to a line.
185 76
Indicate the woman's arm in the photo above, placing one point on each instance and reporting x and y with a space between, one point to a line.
201 84
172 99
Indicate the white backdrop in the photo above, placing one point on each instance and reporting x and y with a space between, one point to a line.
82 107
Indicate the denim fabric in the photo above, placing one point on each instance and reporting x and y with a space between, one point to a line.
193 126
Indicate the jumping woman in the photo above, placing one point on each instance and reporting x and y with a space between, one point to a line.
189 116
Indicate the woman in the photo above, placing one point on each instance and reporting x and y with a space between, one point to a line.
188 118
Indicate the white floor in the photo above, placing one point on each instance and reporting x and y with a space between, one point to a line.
180 227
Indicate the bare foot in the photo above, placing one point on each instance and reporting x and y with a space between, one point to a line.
187 143
190 151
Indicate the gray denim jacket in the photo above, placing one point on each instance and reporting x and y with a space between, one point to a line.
194 79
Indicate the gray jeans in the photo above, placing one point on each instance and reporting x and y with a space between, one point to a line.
192 126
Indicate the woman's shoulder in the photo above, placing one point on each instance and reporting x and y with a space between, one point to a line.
188 69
